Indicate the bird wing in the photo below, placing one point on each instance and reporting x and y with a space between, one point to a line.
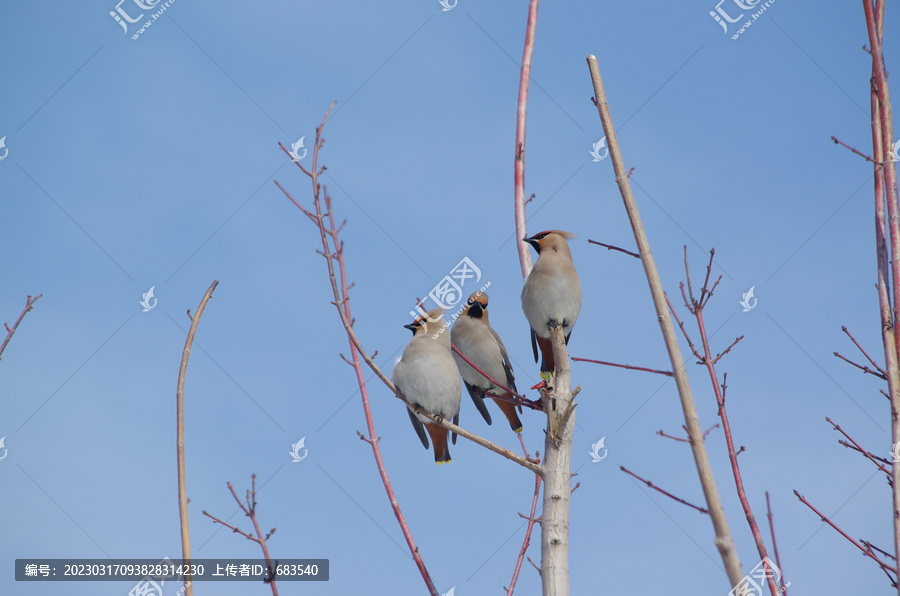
507 367
477 396
419 427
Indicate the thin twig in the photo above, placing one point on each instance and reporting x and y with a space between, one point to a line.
863 550
860 153
728 349
250 511
865 369
29 304
719 390
682 327
864 353
527 541
667 373
332 251
478 369
873 547
611 247
859 448
775 544
668 494
682 440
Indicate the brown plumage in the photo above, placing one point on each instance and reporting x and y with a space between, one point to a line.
427 376
473 336
551 295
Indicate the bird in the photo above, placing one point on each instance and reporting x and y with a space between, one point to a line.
551 295
427 376
473 336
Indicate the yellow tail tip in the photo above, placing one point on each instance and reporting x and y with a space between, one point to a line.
442 462
546 375
517 430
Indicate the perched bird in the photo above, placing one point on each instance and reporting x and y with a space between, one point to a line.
552 294
473 336
427 376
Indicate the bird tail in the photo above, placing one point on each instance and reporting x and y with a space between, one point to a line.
509 410
439 440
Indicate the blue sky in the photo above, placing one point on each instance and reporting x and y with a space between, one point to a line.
151 162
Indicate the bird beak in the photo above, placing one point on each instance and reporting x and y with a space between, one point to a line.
412 327
532 241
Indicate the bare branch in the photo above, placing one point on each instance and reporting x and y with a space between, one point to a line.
667 373
858 448
861 154
862 549
179 399
29 304
723 541
775 544
611 247
668 494
864 353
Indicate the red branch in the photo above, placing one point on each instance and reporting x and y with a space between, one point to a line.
656 488
855 448
29 304
250 511
611 247
887 244
682 327
329 237
696 307
517 399
626 366
521 113
478 369
863 155
531 521
868 455
865 369
864 353
775 544
864 551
